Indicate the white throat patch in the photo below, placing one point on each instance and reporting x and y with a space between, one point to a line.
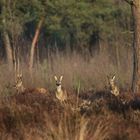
59 88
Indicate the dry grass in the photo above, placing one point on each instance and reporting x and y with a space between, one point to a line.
79 71
33 116
29 116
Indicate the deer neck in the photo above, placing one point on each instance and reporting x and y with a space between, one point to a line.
20 85
22 88
112 85
59 88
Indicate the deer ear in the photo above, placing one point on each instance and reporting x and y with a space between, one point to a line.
113 78
61 77
55 78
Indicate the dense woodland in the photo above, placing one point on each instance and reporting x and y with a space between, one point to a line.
84 26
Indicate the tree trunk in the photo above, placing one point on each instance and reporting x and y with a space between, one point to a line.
8 49
136 46
118 58
35 39
6 39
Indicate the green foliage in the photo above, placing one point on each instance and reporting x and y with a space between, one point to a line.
74 21
82 19
70 18
16 14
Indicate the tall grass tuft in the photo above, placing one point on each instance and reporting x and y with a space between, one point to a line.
90 73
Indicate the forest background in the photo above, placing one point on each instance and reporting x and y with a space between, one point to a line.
84 40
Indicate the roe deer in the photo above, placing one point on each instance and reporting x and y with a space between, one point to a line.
113 88
19 83
20 88
60 92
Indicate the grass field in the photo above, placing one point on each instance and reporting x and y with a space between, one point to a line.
91 112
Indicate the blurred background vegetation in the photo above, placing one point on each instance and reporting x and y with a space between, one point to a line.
73 24
76 35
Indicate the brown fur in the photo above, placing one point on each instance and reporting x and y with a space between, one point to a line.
20 87
113 88
61 93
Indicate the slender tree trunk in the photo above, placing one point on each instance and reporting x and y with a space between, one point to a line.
6 39
118 57
35 39
8 49
117 46
136 46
